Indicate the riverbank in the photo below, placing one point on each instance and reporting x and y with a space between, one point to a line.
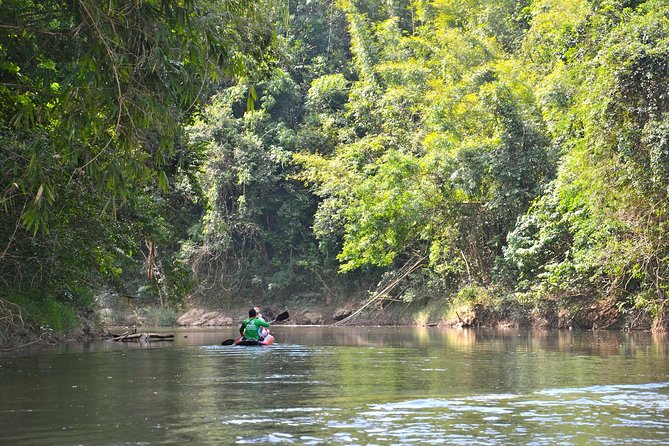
473 309
14 337
25 322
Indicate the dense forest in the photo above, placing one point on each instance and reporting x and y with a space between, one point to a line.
506 159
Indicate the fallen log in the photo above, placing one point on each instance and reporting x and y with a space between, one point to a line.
143 337
109 334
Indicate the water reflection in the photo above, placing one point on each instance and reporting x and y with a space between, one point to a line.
600 343
324 385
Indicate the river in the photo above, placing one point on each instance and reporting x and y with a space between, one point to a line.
326 385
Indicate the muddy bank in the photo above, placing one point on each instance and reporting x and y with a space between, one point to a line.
14 337
584 315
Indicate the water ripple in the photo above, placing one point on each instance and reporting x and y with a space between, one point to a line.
546 417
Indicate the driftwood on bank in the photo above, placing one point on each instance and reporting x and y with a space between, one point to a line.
140 337
407 269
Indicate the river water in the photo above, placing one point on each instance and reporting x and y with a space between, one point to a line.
325 385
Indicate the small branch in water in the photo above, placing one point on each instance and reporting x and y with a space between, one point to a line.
36 341
21 346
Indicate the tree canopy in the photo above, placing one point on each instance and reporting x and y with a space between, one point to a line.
517 147
93 101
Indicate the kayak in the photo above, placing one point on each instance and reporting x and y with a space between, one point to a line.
269 340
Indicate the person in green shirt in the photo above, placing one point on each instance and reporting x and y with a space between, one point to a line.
250 328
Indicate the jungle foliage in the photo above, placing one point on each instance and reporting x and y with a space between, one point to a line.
515 147
93 100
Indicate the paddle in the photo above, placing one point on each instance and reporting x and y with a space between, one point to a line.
281 317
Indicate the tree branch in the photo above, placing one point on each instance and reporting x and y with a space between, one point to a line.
60 32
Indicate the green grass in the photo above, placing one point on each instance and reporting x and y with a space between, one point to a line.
45 314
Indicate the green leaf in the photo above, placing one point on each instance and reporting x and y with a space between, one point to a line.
163 182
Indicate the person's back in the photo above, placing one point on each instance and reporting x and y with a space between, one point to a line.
250 328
